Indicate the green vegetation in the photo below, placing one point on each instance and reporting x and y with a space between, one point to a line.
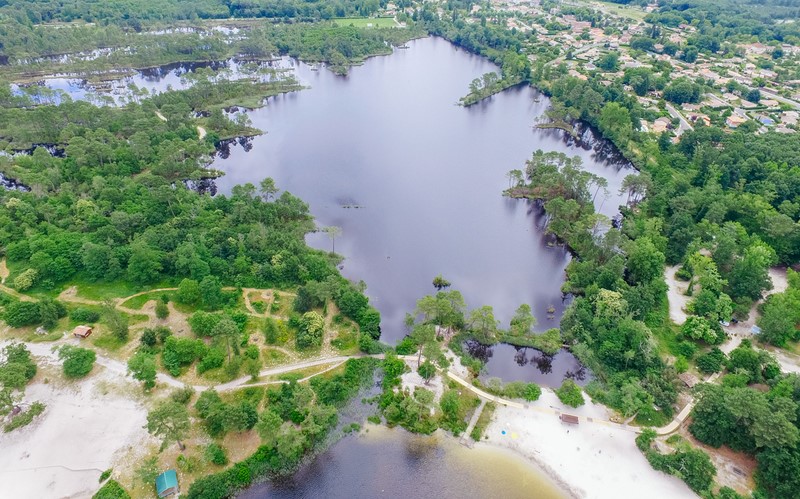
168 421
569 393
111 490
104 475
511 390
295 420
483 421
780 315
216 455
25 417
77 361
366 22
691 465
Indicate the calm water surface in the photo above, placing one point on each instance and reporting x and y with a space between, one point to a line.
415 181
392 463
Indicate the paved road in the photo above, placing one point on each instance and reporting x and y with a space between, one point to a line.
770 94
683 124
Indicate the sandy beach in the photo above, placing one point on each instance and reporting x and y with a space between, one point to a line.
587 461
85 427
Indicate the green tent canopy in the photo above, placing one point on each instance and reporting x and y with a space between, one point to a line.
167 483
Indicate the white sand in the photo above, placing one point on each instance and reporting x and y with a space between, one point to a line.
63 451
675 293
589 460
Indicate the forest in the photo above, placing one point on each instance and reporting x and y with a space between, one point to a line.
721 20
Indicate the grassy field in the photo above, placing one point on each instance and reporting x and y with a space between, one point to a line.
366 22
618 10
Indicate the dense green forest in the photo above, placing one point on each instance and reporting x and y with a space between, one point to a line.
720 20
133 13
114 206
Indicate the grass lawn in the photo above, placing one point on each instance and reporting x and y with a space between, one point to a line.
108 341
366 22
274 357
137 302
100 291
621 11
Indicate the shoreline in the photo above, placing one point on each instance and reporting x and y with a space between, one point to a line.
585 461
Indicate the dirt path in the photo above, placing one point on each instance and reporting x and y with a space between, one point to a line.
466 438
4 273
248 304
676 295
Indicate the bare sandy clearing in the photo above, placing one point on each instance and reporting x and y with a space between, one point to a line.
83 429
675 293
593 461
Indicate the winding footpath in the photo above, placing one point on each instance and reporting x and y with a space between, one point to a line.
331 362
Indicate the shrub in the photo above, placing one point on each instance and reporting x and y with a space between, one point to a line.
188 292
24 418
406 346
686 349
17 368
111 490
368 345
531 392
216 455
83 314
645 439
310 330
162 311
570 394
148 338
180 352
711 362
143 368
25 280
78 362
104 475
213 359
22 313
182 395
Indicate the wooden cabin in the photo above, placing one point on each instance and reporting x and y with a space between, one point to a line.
82 331
568 418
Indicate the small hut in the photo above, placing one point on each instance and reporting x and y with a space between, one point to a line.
688 379
568 418
82 331
167 483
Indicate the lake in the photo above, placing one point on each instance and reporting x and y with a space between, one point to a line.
392 463
415 181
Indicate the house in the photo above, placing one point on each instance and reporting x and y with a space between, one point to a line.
735 120
765 120
82 331
688 379
661 125
756 49
695 117
167 483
